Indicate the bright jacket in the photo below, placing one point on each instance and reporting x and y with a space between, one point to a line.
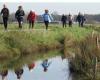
31 16
47 17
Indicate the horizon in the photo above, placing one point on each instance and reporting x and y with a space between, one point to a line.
60 8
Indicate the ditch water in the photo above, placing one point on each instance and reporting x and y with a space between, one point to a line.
57 70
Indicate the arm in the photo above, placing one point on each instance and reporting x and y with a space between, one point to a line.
8 12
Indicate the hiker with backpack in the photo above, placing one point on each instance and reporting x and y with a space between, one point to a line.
19 16
31 18
47 18
5 16
64 20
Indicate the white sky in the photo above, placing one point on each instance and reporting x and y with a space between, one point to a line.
73 8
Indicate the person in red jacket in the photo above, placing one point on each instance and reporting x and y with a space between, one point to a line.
31 18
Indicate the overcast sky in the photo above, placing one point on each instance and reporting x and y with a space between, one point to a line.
73 8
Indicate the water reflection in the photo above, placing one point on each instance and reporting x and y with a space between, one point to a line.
19 72
48 69
4 73
45 65
31 66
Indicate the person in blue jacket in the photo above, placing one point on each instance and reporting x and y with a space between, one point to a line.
46 64
47 18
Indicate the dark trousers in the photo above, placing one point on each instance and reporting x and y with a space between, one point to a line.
64 24
20 24
70 23
46 24
5 22
31 24
81 24
20 19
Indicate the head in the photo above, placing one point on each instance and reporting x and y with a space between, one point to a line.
18 76
20 7
79 13
4 6
46 11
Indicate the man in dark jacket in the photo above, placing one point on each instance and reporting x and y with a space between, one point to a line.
64 20
5 15
81 19
19 16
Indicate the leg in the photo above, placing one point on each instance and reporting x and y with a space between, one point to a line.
79 24
32 24
5 23
46 24
69 24
20 26
63 24
29 24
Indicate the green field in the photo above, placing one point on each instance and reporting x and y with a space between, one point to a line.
14 41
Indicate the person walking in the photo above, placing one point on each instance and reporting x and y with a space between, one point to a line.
79 18
47 18
31 18
64 20
5 16
19 16
70 20
83 20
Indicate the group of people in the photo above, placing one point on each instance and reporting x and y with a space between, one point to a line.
47 18
69 19
19 15
19 71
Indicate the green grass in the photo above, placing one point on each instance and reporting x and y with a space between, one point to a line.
19 42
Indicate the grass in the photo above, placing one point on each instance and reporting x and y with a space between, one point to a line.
17 45
19 42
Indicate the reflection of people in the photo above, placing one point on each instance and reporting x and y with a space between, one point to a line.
19 72
46 64
31 66
5 13
4 73
47 18
31 18
19 16
64 20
